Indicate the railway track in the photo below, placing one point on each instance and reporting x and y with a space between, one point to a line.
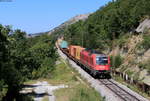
120 92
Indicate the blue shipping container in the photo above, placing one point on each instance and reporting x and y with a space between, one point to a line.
64 44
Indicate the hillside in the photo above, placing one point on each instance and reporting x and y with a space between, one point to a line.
62 26
134 59
73 20
112 30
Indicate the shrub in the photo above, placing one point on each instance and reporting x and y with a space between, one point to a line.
116 61
145 65
129 72
122 40
145 44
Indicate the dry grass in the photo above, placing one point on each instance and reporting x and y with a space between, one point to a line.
76 91
45 98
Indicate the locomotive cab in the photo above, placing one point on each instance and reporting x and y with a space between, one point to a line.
101 60
102 64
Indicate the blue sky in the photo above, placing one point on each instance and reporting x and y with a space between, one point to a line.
42 15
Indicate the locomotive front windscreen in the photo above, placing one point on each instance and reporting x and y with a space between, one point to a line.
101 60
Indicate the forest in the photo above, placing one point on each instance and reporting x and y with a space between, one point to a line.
23 59
109 22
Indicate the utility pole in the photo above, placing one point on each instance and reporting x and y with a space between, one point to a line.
82 38
113 47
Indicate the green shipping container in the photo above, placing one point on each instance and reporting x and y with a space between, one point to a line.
64 44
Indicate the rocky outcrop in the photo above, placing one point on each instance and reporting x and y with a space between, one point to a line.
132 59
70 21
145 25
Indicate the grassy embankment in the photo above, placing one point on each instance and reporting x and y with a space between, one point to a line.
78 89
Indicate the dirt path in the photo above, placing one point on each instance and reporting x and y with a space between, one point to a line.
41 89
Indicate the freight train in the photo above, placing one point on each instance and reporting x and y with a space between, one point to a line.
96 63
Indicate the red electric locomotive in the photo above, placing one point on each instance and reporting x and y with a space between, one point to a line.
97 63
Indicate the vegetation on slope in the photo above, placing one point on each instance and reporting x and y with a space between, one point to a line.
108 23
112 28
77 90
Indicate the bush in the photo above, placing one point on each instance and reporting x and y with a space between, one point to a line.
146 42
122 40
44 57
116 61
145 65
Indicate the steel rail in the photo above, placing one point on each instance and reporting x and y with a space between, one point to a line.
120 92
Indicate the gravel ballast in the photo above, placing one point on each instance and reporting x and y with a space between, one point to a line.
102 89
104 92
